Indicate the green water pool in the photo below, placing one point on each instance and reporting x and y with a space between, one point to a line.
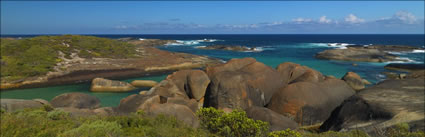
48 93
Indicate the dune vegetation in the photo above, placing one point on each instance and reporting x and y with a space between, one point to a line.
36 56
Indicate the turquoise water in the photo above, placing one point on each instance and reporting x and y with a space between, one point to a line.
48 93
275 49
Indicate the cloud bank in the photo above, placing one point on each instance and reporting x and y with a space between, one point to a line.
400 22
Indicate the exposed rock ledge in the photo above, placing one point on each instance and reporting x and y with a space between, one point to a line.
150 61
229 47
374 53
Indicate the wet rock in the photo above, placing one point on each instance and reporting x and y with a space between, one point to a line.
405 67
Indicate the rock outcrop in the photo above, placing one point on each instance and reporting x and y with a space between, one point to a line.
12 105
308 100
143 83
354 80
147 61
105 85
76 100
405 67
181 112
277 122
193 82
230 48
381 106
242 83
374 53
136 102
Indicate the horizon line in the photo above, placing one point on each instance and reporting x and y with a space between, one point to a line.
241 34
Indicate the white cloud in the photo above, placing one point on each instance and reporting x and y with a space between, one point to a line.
323 19
302 20
405 16
351 18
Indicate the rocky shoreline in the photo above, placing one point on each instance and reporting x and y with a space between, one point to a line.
149 61
230 48
371 53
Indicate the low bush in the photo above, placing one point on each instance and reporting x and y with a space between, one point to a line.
403 130
40 123
97 128
285 133
233 124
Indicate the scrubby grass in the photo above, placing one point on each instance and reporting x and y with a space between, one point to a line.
35 56
40 123
214 123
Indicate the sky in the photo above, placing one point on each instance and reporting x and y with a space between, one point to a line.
212 17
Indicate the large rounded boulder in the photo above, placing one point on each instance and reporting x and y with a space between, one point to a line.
76 100
277 121
136 102
242 83
310 102
387 104
292 73
181 112
193 82
106 85
354 80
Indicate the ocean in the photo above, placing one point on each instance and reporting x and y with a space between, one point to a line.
271 50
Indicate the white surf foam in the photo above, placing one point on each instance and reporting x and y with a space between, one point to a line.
330 45
418 51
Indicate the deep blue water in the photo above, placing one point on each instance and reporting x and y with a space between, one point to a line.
273 50
295 48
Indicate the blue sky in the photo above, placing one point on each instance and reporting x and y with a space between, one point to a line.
209 17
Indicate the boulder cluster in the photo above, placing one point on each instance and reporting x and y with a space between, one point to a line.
289 96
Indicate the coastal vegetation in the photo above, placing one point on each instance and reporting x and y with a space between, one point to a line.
21 58
46 122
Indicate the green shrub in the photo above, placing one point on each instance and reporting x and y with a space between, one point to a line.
285 133
97 128
234 124
57 114
47 108
352 133
403 130
32 123
2 111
